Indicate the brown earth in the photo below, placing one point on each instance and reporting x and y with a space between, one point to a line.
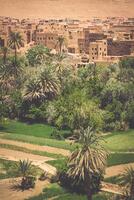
8 192
36 147
40 162
116 170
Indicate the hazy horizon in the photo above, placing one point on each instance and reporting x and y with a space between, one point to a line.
80 9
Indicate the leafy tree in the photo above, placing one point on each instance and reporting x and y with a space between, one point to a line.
88 159
75 110
14 103
130 113
37 55
90 79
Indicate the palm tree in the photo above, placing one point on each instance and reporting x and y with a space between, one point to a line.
88 159
50 83
60 43
11 70
33 91
127 180
4 51
25 170
15 42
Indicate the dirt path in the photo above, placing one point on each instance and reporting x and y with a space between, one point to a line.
36 159
112 188
39 160
7 192
117 169
36 147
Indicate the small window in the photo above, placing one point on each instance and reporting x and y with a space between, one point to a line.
93 58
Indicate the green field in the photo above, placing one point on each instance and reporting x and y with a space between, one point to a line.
116 141
119 144
5 169
120 141
56 192
37 140
120 158
38 130
113 180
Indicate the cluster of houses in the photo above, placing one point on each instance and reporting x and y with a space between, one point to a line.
107 39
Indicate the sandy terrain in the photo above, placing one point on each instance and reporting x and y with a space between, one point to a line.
80 9
116 170
40 161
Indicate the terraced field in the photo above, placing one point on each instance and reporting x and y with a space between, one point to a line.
47 154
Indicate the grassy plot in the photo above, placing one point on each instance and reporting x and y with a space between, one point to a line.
58 193
38 140
120 158
6 169
120 141
41 134
113 180
58 164
37 130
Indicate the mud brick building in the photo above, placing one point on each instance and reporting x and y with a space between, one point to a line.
119 48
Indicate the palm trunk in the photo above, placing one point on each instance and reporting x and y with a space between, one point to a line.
15 56
60 48
132 189
89 195
88 187
4 59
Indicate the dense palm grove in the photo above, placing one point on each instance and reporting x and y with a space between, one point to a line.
43 87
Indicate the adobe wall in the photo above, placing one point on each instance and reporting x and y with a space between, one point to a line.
119 48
